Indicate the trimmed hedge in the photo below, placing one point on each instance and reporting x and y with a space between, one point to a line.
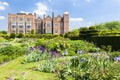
114 41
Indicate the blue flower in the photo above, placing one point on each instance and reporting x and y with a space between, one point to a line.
116 59
82 59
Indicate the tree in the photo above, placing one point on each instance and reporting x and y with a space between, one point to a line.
4 32
32 31
74 33
83 29
20 35
92 28
12 35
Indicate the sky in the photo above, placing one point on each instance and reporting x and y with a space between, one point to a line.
82 12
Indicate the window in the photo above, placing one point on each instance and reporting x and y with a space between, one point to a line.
48 24
48 19
20 19
28 26
56 25
13 19
13 31
61 31
28 31
28 23
20 31
58 19
56 31
66 18
27 19
13 23
61 24
20 26
48 31
13 26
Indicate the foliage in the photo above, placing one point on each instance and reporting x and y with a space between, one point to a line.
92 28
32 31
89 67
115 25
12 35
47 66
10 52
35 55
71 34
20 35
3 32
114 54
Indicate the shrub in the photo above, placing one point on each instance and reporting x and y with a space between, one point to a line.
20 35
12 35
71 52
11 51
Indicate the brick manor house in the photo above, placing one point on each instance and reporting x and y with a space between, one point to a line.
24 23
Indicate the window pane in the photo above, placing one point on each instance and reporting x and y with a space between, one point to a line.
13 31
27 19
48 31
28 26
20 19
61 24
13 19
12 26
56 31
28 31
20 26
56 25
13 23
20 31
48 24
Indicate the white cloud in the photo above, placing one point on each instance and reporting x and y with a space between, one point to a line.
2 17
76 19
41 9
24 12
3 5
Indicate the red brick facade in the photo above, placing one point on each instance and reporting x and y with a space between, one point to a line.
24 23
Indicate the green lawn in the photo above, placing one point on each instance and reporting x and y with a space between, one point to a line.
16 68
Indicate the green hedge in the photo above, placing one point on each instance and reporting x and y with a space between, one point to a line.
114 41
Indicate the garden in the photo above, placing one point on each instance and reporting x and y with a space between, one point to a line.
56 58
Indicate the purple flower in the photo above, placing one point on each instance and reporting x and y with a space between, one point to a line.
53 53
41 48
31 48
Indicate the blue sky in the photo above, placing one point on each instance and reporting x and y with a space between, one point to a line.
82 12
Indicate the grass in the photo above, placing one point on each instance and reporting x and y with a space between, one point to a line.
16 68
